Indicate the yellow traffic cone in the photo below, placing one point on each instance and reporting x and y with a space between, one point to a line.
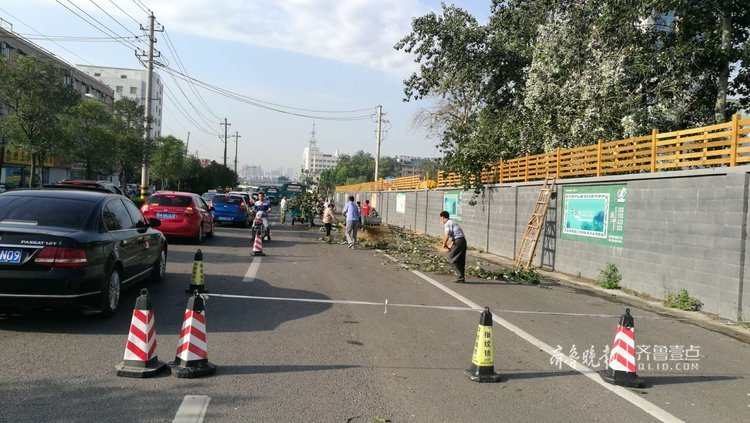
197 280
482 361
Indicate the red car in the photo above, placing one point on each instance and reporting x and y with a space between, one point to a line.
182 214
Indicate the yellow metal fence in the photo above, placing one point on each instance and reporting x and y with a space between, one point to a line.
724 144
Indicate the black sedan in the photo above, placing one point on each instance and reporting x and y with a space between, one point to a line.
74 246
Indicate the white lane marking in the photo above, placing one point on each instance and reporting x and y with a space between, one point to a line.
252 271
623 393
192 409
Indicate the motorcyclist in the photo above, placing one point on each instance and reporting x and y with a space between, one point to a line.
263 205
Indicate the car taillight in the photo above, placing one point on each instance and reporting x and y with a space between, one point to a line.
188 210
242 207
144 209
62 257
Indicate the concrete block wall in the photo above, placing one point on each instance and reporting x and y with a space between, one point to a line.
683 230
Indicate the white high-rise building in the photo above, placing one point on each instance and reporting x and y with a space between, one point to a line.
131 83
314 161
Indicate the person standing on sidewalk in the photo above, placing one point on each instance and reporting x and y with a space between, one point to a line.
351 211
457 254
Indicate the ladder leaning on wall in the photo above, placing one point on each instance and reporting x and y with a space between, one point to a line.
536 223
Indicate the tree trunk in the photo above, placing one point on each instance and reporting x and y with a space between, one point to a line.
33 171
726 50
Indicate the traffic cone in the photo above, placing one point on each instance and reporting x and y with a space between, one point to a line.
621 367
191 359
140 351
197 280
258 246
482 362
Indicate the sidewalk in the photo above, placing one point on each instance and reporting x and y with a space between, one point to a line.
708 321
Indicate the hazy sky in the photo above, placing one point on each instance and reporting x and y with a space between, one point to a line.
309 54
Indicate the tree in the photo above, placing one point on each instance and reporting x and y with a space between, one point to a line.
36 95
129 142
168 161
88 125
543 74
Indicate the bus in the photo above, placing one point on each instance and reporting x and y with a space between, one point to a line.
292 189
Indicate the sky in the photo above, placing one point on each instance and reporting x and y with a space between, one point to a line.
329 55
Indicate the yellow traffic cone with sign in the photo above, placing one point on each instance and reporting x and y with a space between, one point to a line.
482 361
197 279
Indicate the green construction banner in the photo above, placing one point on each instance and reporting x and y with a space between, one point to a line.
452 204
594 213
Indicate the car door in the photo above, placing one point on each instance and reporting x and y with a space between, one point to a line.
206 217
125 238
150 241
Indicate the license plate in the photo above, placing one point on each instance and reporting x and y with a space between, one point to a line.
165 215
224 218
10 256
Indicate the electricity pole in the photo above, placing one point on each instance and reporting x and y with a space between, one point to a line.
149 94
187 144
377 141
236 138
226 126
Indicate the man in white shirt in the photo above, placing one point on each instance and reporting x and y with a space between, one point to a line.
457 247
282 208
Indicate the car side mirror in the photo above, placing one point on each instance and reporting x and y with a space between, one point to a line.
153 222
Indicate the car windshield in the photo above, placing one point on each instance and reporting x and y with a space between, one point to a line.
44 211
230 200
169 201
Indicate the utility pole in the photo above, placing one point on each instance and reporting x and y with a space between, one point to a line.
149 94
378 138
187 144
226 126
236 138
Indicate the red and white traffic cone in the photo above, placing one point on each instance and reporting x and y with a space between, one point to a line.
621 367
191 359
258 246
140 350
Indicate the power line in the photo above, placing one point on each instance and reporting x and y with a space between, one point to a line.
126 13
250 101
276 104
53 41
145 9
200 115
71 38
116 20
116 37
171 47
183 112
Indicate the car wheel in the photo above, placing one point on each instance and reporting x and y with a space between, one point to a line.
110 297
159 270
211 234
199 237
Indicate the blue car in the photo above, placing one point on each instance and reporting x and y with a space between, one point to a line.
229 208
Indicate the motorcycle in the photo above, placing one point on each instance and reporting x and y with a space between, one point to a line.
259 227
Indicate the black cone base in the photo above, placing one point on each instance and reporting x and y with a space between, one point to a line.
259 253
140 372
204 369
627 379
489 377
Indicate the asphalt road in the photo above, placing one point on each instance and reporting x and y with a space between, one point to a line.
286 361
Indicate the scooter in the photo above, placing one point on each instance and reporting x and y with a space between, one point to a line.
259 227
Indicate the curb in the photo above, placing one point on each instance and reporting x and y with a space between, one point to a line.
700 319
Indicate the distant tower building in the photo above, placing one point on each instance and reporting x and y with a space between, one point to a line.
314 161
131 83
